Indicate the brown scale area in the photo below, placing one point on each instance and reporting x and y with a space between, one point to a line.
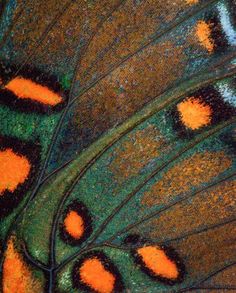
130 86
135 153
35 16
205 209
207 252
191 172
16 275
130 24
78 22
225 278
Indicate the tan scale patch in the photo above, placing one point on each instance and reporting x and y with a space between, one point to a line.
207 252
191 172
133 25
135 153
131 86
207 208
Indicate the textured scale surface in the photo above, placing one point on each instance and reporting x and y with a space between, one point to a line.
117 146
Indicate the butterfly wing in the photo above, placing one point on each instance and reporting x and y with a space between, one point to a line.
148 204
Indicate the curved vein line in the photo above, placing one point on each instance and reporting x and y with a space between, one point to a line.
167 103
158 36
34 262
199 231
11 26
53 232
119 207
111 245
166 242
80 175
167 207
155 172
44 35
208 277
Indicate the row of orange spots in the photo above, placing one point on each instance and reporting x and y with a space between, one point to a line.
203 33
156 260
93 273
17 277
74 225
26 89
194 113
14 170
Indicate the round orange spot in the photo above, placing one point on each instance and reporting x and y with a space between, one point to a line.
194 113
74 224
27 89
94 275
14 170
203 32
156 260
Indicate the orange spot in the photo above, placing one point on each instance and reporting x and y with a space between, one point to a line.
194 113
156 260
192 2
27 89
203 32
74 224
17 277
14 170
93 273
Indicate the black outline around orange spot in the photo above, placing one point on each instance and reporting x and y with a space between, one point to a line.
10 200
108 265
173 256
81 210
221 111
28 105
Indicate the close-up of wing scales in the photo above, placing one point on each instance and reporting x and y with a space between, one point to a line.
117 146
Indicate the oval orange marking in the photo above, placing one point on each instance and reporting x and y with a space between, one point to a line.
156 260
194 113
17 277
26 89
203 32
14 170
74 224
93 274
